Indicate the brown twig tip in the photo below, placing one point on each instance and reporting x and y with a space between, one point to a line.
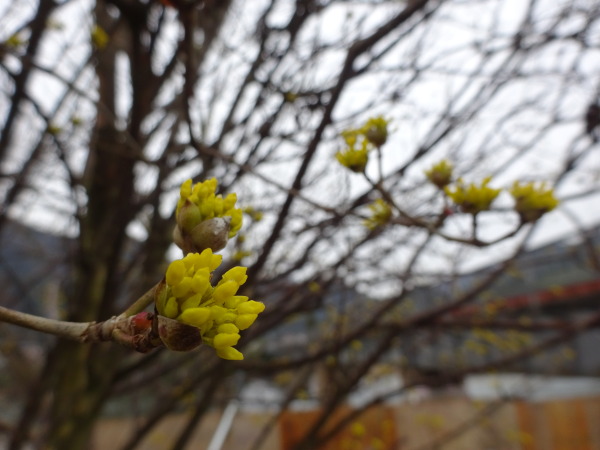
136 332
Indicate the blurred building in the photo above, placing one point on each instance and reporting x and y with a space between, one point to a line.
558 282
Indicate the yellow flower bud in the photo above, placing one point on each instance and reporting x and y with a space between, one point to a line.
229 202
236 222
218 208
222 315
207 206
230 353
175 272
233 302
191 302
223 340
243 321
186 189
251 307
350 137
182 288
238 274
171 308
201 281
99 37
204 259
225 290
227 328
195 316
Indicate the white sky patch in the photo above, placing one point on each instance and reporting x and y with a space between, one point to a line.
440 68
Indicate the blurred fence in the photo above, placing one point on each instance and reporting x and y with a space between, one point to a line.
444 423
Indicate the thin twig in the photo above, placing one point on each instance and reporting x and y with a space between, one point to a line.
60 328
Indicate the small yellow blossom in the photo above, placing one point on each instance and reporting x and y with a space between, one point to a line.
99 37
217 311
351 137
533 200
440 174
354 159
381 213
360 141
472 199
197 209
254 214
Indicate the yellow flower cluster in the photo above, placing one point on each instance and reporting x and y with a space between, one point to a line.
472 199
199 202
533 200
381 213
360 141
216 311
440 174
254 214
353 158
197 209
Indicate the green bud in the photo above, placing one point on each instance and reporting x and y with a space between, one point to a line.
377 136
188 216
376 131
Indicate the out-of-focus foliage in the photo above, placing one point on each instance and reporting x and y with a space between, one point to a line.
108 106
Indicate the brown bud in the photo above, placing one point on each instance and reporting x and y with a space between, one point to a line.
178 237
441 179
377 135
178 336
212 234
